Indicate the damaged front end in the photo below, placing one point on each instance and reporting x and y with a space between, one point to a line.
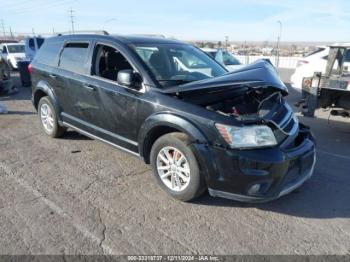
252 95
268 153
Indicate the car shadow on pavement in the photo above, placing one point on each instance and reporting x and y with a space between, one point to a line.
23 93
73 135
22 113
309 201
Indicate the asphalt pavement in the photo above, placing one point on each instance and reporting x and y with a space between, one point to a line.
75 195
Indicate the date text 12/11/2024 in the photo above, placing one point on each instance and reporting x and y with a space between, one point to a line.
174 258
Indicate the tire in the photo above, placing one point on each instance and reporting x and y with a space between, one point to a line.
45 106
191 183
10 66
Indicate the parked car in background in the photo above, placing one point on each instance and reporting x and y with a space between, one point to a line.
231 133
224 57
32 45
312 62
12 53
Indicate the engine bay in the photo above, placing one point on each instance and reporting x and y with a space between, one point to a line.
242 104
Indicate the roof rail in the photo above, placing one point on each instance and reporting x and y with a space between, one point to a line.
150 35
96 32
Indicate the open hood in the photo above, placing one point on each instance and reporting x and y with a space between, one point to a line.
256 75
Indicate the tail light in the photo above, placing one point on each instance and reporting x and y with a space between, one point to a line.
30 68
302 62
307 82
348 87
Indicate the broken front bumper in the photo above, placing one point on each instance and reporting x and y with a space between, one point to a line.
261 175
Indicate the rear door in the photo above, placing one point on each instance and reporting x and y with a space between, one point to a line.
78 99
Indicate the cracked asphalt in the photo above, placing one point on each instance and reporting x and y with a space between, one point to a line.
74 195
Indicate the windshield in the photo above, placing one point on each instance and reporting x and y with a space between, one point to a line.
230 59
174 64
15 48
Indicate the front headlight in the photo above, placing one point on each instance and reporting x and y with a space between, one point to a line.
247 136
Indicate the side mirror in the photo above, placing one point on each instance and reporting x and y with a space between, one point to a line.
129 78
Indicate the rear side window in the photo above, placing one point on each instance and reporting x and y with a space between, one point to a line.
49 52
73 57
40 41
31 44
319 49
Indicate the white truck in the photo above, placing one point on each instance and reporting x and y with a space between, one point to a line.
12 53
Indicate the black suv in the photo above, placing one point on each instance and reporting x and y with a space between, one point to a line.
199 126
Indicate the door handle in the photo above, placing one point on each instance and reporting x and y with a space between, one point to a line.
89 87
53 76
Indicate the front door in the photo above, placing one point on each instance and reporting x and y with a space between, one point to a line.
118 104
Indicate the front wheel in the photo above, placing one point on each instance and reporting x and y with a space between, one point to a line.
176 168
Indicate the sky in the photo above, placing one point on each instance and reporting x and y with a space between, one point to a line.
240 20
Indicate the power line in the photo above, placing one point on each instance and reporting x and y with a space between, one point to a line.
71 19
11 34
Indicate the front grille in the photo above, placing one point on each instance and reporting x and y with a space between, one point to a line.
276 111
283 119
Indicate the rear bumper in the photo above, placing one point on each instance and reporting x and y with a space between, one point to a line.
261 175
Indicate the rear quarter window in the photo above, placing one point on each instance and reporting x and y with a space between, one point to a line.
319 49
48 53
73 57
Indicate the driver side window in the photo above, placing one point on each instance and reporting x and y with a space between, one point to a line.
108 61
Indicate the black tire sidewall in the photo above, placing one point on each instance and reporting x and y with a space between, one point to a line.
179 141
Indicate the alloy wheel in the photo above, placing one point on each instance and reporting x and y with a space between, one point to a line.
173 168
46 117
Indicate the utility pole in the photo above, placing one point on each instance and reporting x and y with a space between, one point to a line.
33 32
3 28
11 33
278 44
226 42
71 19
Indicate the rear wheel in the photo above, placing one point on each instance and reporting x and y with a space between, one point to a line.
176 168
48 118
